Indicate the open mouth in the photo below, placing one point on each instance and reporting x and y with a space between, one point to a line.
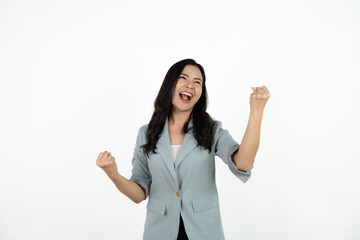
185 97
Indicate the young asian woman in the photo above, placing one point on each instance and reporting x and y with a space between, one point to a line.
174 158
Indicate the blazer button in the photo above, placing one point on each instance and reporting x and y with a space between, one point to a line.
178 193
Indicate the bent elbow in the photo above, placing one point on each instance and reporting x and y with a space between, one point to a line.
137 201
244 165
243 168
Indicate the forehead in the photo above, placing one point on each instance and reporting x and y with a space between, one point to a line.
192 71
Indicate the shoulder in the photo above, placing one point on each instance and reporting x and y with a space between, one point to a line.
218 129
217 125
141 134
143 128
217 122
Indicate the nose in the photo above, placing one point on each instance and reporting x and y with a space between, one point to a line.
187 86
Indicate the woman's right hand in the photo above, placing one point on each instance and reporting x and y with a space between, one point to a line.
107 162
131 189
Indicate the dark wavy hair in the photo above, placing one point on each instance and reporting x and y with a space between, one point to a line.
203 124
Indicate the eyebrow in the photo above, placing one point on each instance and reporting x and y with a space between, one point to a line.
194 78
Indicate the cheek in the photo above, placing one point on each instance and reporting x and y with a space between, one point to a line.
176 94
199 93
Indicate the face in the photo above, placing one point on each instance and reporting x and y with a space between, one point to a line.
190 80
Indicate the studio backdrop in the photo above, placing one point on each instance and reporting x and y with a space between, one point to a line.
80 77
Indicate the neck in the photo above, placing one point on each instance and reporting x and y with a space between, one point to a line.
178 119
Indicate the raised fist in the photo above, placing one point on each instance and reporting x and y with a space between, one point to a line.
107 162
258 98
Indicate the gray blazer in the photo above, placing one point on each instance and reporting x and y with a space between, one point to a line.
187 188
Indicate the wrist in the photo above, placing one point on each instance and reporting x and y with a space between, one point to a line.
256 113
114 175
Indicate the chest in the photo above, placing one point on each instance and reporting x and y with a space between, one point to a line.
176 137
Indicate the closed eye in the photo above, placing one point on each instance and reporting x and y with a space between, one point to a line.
198 82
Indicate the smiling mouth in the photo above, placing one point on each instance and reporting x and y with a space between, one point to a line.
185 98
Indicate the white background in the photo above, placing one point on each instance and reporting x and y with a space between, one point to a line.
81 77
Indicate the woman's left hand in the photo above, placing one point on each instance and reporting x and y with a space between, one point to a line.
258 99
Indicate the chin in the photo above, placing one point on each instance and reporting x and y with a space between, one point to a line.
184 109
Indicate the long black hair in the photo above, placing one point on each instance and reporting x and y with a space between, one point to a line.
203 123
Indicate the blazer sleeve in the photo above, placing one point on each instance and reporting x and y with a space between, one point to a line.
225 147
140 169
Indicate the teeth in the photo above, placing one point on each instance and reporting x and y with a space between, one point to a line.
185 93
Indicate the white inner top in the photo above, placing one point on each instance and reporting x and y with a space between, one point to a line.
175 151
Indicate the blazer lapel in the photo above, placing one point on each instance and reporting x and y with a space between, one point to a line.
164 148
165 151
188 144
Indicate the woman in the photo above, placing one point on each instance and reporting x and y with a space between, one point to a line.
174 158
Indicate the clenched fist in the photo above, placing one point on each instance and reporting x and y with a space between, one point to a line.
107 162
258 98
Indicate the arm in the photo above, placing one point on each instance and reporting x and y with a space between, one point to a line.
129 188
225 148
245 156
